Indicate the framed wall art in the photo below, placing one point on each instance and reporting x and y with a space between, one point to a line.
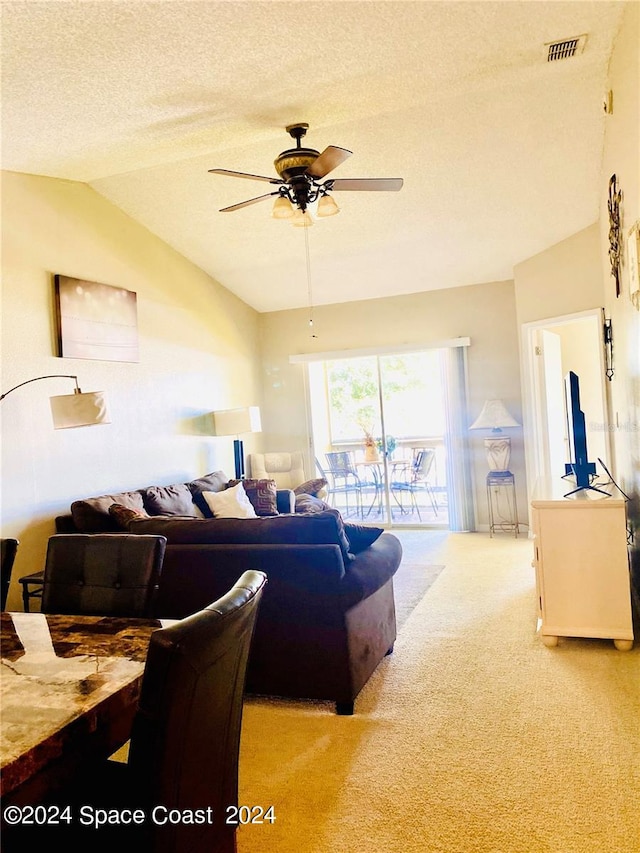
96 321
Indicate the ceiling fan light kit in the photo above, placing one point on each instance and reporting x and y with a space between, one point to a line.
282 208
302 219
301 171
327 206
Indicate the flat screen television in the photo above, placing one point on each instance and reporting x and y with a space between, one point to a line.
578 465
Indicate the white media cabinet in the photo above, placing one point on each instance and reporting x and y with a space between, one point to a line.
582 565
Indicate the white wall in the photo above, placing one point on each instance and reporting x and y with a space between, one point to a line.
198 353
485 313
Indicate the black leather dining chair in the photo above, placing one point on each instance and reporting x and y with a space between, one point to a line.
185 743
103 574
8 556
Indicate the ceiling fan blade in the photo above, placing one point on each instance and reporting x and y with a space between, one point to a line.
327 161
369 184
247 203
245 175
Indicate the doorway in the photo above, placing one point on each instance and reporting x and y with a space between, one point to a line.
551 348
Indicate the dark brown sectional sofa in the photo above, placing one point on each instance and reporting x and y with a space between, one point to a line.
327 617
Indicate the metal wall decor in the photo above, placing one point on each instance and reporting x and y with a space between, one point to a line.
615 197
608 349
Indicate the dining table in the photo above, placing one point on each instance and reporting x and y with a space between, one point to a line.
69 689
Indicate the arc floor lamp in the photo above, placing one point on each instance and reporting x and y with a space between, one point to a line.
72 410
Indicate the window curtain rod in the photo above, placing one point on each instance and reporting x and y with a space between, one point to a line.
306 357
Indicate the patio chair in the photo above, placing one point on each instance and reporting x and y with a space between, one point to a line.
414 479
344 479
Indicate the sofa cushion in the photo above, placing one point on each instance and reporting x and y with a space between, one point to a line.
230 503
214 482
310 503
361 536
91 515
169 500
322 528
263 494
124 514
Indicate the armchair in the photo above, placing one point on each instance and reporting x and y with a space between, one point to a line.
287 469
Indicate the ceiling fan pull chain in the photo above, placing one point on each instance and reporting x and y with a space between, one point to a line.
309 288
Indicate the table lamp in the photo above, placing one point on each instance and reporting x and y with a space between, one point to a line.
494 416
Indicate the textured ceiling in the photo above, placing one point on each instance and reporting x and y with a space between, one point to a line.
499 150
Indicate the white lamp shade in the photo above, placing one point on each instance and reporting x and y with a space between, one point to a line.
79 410
495 416
237 421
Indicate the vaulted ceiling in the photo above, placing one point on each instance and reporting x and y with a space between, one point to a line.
499 149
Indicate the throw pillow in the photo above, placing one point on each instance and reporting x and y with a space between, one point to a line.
360 536
124 514
311 487
169 500
230 503
263 495
91 515
214 482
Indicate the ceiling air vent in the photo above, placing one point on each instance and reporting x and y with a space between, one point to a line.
566 48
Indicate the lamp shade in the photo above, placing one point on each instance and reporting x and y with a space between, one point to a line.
78 410
494 416
237 421
302 220
327 206
282 208
72 410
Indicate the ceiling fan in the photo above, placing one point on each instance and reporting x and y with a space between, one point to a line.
300 184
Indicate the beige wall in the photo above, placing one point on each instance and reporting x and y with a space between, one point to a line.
198 352
485 313
622 157
564 279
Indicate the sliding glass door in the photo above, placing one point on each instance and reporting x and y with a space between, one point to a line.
379 435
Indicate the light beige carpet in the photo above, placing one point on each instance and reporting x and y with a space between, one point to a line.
473 737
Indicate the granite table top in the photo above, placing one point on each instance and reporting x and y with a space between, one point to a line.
62 677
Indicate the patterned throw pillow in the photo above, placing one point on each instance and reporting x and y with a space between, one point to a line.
263 495
230 503
311 487
122 515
